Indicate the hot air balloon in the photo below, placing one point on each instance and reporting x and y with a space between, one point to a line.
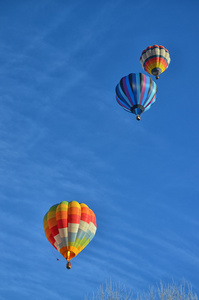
69 227
155 60
136 93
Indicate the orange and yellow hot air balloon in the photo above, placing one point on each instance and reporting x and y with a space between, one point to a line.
155 60
69 227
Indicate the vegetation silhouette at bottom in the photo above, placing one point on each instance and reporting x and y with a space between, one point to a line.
170 291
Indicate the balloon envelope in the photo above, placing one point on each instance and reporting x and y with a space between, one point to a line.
155 60
69 227
136 93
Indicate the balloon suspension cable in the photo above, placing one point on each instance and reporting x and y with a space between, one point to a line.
157 77
138 117
68 256
68 266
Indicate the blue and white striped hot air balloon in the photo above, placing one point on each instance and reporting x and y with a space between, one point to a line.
136 93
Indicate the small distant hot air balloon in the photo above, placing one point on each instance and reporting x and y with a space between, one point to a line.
155 60
69 227
136 93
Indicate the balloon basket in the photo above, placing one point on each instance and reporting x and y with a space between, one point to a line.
68 266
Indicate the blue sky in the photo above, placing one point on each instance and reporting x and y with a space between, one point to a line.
64 137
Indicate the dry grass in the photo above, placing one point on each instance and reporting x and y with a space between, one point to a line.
171 291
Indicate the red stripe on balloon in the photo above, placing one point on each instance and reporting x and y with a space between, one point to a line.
74 219
62 223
